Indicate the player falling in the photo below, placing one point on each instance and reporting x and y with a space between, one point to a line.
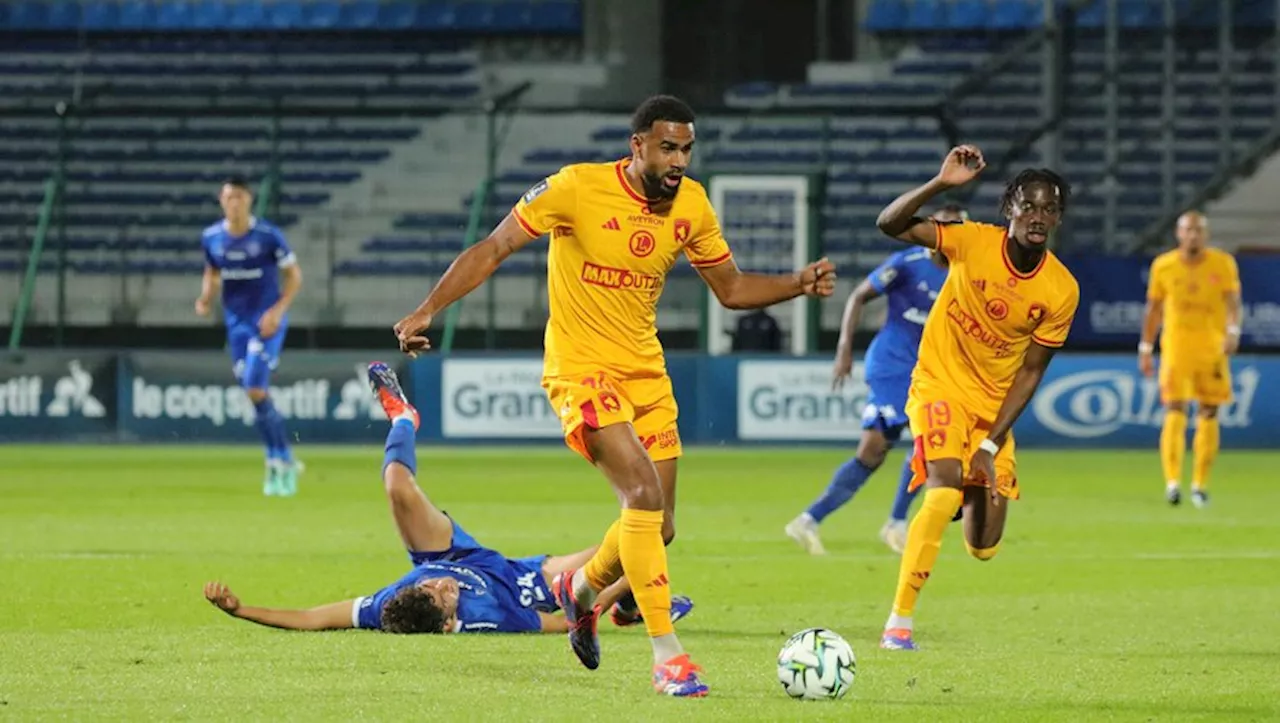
1007 304
616 231
259 275
911 281
457 585
1193 298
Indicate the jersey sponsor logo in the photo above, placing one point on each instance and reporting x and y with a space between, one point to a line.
241 274
887 276
537 190
646 219
665 439
972 328
614 278
642 243
683 229
997 309
916 316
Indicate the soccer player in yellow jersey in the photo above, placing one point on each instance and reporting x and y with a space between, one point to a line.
616 231
1193 297
1006 305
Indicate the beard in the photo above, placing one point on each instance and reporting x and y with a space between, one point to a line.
655 189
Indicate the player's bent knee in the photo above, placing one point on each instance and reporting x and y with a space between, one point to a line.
1180 407
982 553
1208 411
256 394
872 449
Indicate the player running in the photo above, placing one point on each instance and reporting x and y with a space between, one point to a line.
260 278
1193 297
456 585
616 231
911 281
1007 304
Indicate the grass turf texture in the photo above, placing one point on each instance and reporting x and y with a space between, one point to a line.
1104 603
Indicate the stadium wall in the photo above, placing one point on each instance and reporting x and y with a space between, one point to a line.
1086 401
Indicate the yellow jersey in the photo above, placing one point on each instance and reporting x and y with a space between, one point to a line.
1194 299
986 316
610 253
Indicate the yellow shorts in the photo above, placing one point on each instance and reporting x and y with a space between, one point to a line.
1207 381
947 429
598 400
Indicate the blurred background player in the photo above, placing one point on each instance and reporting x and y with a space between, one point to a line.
456 585
911 281
1193 298
259 277
1007 304
617 230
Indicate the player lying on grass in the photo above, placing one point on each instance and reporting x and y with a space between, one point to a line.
456 585
910 281
1006 305
616 231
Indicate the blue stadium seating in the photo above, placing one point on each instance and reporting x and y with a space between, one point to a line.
493 17
914 16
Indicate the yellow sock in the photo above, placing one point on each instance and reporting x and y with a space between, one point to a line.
1173 444
924 540
1205 450
605 566
644 558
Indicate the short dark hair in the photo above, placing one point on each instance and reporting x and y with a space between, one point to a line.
660 108
1033 175
412 611
237 181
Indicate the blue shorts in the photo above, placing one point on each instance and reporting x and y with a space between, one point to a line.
254 358
886 408
464 548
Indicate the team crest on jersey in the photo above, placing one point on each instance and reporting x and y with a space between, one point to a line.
887 276
642 243
537 190
937 438
683 228
1035 313
253 248
997 309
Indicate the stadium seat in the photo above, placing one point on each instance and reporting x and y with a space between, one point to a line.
210 15
323 15
247 14
398 14
63 15
968 14
100 15
137 15
1016 14
886 16
285 14
927 15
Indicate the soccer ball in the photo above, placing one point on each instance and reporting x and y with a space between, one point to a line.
816 664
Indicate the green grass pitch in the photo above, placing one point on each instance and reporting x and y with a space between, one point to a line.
1104 603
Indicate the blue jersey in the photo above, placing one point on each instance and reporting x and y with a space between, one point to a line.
911 281
496 594
249 265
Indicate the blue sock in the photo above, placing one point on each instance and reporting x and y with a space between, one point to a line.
283 451
844 485
400 447
902 501
263 413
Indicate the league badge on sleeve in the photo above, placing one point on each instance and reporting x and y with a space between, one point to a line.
537 190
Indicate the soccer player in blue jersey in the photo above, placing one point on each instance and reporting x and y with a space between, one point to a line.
251 261
456 585
910 280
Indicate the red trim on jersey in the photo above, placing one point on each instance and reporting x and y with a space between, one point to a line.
589 416
524 224
1004 253
712 262
1045 342
618 167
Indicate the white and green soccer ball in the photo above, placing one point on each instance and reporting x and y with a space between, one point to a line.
816 664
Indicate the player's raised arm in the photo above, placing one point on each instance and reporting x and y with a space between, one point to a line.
334 616
900 220
863 293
